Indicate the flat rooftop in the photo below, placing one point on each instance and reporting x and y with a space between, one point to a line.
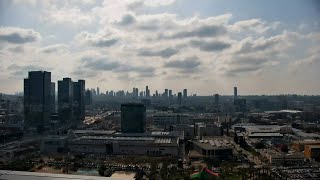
214 143
22 175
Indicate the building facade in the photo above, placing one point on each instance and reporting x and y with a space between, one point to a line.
133 118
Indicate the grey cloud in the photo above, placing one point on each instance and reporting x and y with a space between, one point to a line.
17 49
210 45
20 71
85 73
18 35
104 42
165 53
54 48
259 45
100 64
201 32
127 20
186 65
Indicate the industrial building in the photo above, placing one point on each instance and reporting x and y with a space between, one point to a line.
149 143
215 147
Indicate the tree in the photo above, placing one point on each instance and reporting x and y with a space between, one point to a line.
101 169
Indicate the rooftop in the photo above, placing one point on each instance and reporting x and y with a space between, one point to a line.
22 175
214 143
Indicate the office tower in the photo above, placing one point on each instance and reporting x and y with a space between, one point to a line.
235 92
179 98
157 94
53 97
135 92
216 99
98 91
185 93
88 97
37 99
79 100
147 92
141 94
133 118
166 93
65 100
93 92
170 93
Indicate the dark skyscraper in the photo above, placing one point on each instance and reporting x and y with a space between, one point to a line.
235 92
147 91
79 100
65 100
37 99
88 97
216 99
179 98
166 93
53 97
170 93
133 118
185 93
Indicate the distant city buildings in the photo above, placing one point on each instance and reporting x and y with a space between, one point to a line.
235 92
53 97
216 99
133 118
37 99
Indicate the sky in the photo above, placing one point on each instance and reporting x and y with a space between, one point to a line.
208 46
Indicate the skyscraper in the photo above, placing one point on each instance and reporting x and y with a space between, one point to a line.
235 92
65 100
53 97
185 93
216 99
170 93
166 93
88 97
147 91
98 91
179 98
133 118
79 100
37 99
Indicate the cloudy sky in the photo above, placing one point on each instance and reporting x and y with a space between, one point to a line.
207 46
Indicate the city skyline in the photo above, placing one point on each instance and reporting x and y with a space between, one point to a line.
207 47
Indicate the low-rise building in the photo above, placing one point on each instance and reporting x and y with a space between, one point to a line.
312 151
215 147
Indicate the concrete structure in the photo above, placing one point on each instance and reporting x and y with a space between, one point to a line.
186 128
163 120
65 100
279 158
312 151
150 143
202 130
213 147
133 118
300 145
37 99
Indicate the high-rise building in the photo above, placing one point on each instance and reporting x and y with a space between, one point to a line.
93 92
98 91
53 97
235 92
185 93
79 100
37 99
133 118
65 100
157 94
216 99
141 94
88 97
166 93
179 98
170 93
147 91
